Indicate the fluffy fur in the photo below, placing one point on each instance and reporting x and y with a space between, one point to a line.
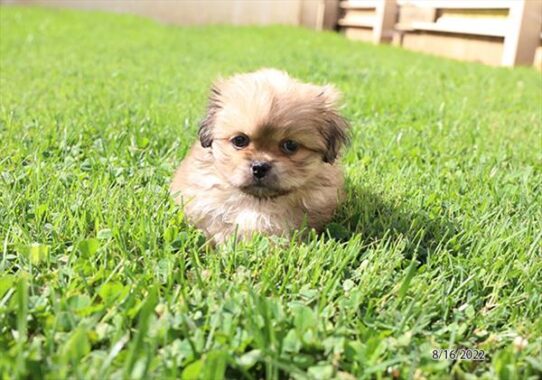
215 183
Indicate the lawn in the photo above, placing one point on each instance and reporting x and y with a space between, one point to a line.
438 245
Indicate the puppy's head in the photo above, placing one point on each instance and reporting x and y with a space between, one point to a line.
270 134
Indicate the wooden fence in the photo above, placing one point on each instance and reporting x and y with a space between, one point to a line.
495 32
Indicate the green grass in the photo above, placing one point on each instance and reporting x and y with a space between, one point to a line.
437 246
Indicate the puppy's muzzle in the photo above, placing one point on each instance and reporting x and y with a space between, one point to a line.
260 169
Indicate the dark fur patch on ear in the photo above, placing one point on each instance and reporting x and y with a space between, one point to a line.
205 131
207 125
335 135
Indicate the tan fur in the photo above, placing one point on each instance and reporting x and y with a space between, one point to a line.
214 182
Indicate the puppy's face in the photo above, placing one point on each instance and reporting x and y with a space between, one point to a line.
270 134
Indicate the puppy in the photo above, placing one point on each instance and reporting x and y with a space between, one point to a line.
266 158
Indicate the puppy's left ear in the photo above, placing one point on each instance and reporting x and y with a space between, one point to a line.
207 124
335 128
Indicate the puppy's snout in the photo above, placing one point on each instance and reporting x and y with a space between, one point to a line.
260 168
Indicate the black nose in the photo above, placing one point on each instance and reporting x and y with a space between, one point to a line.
260 169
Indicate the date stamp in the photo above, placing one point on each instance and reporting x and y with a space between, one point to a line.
458 354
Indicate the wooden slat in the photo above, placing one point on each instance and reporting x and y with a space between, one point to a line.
460 4
359 4
456 46
404 27
361 34
538 58
521 39
364 22
385 18
478 29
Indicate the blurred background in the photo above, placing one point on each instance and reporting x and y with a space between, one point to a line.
493 32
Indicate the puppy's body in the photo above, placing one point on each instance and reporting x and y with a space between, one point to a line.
266 158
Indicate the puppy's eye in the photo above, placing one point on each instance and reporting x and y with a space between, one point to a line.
240 141
289 146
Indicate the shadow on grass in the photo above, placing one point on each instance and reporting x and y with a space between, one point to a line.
366 214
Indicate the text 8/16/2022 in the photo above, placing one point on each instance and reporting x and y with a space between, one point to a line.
458 354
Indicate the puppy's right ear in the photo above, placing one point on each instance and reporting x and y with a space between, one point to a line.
207 125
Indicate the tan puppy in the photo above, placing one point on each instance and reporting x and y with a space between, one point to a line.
266 159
